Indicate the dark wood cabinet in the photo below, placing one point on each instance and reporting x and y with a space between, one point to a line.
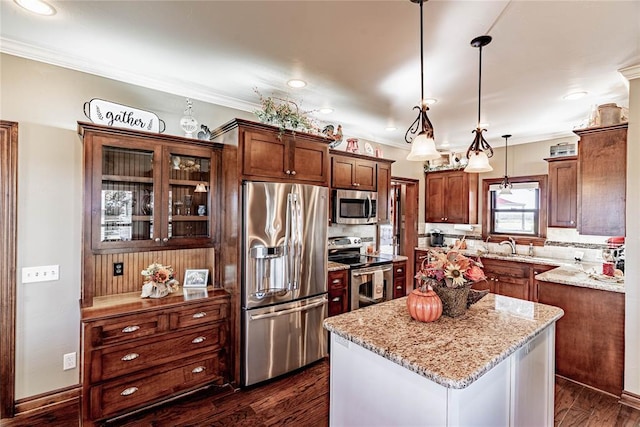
384 191
138 352
563 192
338 292
147 191
399 279
268 154
353 172
511 278
590 335
602 175
451 197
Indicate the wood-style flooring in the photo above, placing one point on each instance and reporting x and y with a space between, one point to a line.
302 399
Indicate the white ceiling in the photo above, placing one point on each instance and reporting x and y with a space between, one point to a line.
361 58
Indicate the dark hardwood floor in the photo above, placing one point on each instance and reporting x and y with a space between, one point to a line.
302 399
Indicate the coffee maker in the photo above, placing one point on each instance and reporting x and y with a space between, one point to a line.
437 238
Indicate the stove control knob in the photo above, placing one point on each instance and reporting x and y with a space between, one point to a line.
358 241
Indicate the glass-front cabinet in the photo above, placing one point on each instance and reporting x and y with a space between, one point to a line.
150 194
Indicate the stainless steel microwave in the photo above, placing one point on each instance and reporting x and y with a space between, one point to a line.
355 207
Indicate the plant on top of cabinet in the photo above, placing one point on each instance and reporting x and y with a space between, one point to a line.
143 190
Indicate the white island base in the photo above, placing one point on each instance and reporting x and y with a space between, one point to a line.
370 390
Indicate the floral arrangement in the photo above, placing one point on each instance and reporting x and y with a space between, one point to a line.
452 268
284 113
158 281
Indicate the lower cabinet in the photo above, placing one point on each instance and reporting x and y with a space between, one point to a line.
511 278
138 352
590 335
338 292
399 279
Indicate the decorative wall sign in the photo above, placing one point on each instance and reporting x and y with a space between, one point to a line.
122 116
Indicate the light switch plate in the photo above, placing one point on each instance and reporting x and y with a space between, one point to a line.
44 273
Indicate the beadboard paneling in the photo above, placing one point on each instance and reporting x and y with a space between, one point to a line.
134 262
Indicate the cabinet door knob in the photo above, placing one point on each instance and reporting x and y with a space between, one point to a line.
288 172
293 172
157 239
130 356
166 239
128 391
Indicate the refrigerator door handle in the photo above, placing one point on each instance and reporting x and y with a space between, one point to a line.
297 242
289 311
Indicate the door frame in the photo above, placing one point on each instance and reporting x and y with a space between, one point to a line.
8 224
411 189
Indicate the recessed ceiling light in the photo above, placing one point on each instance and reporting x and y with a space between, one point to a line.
37 6
326 110
574 95
390 128
297 83
430 101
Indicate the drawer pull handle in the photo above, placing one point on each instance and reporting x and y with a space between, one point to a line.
336 299
129 391
399 270
198 370
199 315
398 287
130 329
130 356
198 340
336 280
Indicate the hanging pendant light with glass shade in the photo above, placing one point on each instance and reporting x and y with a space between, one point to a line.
423 147
479 151
505 185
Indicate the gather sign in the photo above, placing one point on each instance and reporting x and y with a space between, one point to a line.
122 116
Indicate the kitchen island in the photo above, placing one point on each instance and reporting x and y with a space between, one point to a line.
492 366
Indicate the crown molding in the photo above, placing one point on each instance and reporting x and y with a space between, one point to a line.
631 73
160 83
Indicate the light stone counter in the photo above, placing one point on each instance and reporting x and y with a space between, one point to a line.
452 352
577 275
336 266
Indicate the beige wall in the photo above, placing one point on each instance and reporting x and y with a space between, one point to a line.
47 102
632 269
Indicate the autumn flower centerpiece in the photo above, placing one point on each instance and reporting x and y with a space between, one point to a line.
451 275
158 281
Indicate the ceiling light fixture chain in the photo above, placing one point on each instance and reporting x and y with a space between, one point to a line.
506 185
420 133
479 151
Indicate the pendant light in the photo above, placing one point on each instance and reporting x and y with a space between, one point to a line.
423 147
505 185
479 151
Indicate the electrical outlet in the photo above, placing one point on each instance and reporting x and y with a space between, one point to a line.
69 361
118 268
43 273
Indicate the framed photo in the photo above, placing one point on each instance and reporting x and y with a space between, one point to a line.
194 293
196 278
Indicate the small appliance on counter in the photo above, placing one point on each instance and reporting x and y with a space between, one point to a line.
613 255
437 238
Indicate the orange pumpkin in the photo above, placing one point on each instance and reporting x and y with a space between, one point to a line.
424 306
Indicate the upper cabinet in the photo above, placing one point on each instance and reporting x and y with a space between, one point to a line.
563 191
271 155
384 190
602 176
352 172
147 191
451 197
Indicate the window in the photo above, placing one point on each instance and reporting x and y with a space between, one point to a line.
521 214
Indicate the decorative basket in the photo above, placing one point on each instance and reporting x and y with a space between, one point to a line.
454 300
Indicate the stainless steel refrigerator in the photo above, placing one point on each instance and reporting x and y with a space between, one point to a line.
284 283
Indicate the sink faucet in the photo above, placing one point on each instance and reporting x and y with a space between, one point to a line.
511 243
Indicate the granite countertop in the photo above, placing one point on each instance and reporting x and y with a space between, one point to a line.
582 275
451 352
336 266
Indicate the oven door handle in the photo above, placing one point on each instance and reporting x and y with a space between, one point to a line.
354 274
289 311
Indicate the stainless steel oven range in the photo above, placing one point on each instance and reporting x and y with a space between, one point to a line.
371 277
